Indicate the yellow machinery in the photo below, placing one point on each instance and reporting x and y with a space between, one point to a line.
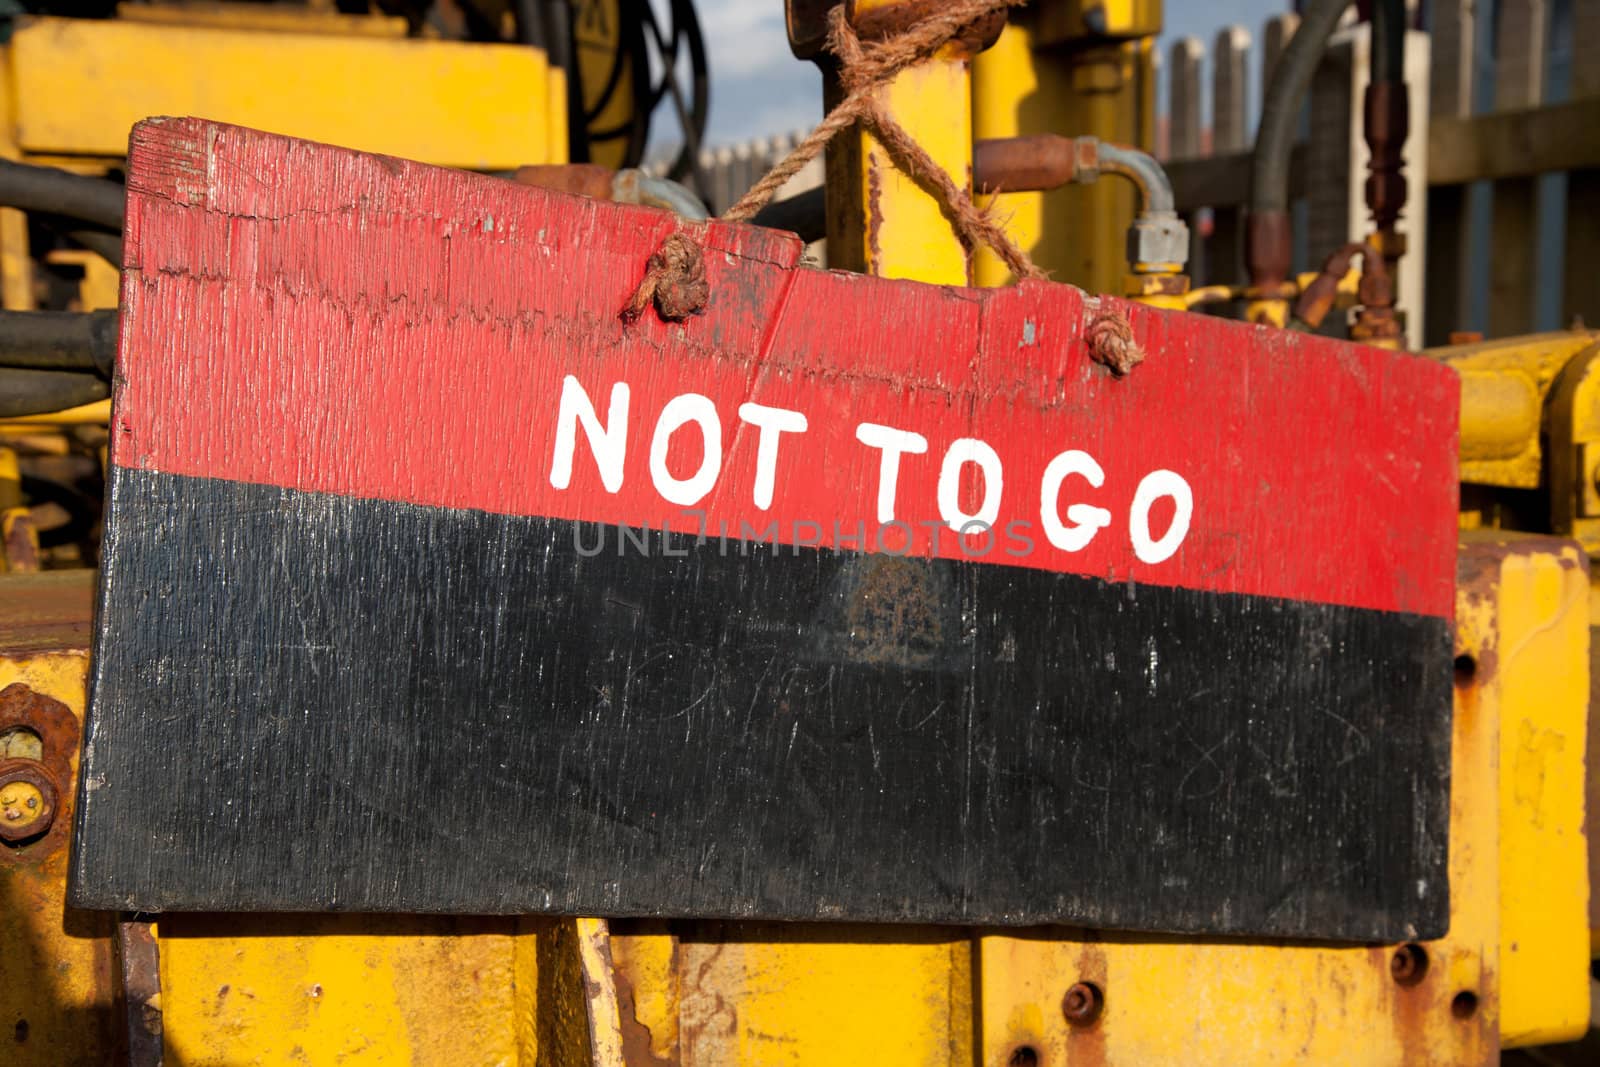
81 987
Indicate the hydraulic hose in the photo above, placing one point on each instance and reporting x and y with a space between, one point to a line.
108 246
1389 41
805 214
59 340
1268 238
58 192
35 392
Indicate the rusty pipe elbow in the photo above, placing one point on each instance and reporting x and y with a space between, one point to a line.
1147 175
1158 238
1318 298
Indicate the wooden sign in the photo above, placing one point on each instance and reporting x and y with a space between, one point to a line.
432 585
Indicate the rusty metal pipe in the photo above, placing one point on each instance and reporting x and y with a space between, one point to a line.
1158 240
1034 163
1045 161
1318 298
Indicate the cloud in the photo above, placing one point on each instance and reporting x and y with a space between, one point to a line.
744 37
758 88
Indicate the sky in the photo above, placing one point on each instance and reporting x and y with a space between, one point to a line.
758 88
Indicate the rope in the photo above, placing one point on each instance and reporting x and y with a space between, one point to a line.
675 280
863 70
1111 343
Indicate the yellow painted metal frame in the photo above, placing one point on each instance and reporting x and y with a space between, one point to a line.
889 226
56 985
1538 674
1035 80
1504 385
78 85
435 990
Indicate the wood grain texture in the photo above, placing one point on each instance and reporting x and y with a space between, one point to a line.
357 650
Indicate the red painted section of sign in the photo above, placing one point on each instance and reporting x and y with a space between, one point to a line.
359 325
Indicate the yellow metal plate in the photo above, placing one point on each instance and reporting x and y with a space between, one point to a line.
1504 384
1542 667
80 84
56 992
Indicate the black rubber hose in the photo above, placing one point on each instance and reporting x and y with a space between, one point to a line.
804 214
1280 105
1389 41
59 340
35 392
33 188
107 246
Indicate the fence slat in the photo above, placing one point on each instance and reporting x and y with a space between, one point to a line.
1230 77
1184 97
1520 40
1275 36
1581 278
1454 28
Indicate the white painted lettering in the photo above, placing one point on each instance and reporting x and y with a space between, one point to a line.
609 443
893 443
689 407
772 422
1153 487
961 452
1086 519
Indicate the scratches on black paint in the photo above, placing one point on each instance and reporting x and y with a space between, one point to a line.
319 702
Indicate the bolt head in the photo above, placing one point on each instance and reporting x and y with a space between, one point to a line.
27 801
1082 1003
1409 964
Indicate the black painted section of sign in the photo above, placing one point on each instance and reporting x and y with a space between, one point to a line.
317 702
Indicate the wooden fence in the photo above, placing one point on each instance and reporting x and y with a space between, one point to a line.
1503 161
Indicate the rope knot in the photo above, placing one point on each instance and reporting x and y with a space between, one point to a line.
674 280
1111 343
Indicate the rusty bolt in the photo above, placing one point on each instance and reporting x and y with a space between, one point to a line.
27 800
1408 965
1083 1003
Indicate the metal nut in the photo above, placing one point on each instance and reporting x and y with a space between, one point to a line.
1158 238
27 800
1083 1003
1408 965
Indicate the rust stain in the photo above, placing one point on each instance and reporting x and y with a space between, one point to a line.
637 1049
57 729
1086 1043
874 212
1408 1007
704 1010
141 987
893 611
47 612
